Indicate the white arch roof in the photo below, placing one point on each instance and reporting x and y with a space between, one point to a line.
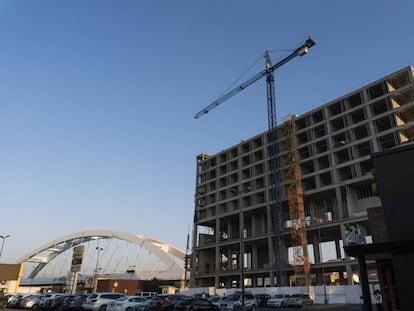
165 252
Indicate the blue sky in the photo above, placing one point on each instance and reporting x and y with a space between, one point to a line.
97 99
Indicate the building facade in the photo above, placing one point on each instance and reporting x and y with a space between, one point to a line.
327 152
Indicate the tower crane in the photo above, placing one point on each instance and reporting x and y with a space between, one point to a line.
276 199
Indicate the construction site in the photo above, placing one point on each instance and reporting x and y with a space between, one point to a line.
277 209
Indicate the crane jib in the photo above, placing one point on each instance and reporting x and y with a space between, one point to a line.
300 51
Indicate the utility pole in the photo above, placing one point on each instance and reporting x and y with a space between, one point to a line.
95 278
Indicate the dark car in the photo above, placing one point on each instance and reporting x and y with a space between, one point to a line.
195 304
164 302
262 299
55 304
14 301
74 303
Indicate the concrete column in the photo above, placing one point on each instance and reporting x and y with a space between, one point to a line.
316 248
338 249
339 203
271 261
348 267
372 130
254 256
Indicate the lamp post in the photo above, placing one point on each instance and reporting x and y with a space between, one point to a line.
4 237
320 221
95 278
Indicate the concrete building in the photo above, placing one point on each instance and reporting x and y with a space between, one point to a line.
329 152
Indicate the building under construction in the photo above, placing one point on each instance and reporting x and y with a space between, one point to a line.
324 179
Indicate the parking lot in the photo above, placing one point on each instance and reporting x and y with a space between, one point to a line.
339 307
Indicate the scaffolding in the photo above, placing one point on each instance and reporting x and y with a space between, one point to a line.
293 178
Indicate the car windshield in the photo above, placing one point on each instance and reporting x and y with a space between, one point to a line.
232 297
277 296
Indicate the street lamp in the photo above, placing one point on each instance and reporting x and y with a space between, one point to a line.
4 237
320 221
99 249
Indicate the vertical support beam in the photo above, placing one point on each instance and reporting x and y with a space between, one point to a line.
363 278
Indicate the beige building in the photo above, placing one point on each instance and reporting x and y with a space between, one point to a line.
327 153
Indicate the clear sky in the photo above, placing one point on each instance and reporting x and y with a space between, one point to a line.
97 99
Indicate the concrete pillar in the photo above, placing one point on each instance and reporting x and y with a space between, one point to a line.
254 256
339 205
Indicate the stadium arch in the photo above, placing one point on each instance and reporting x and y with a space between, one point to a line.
171 256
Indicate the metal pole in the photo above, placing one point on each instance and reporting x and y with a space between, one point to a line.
4 237
95 278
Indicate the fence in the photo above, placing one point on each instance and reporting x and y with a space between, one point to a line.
336 294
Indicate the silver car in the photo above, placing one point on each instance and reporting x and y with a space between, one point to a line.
278 300
299 300
30 302
126 303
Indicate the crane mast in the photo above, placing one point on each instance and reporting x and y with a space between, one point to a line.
274 164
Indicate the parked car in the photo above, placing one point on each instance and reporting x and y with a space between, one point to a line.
141 306
14 301
299 300
74 303
195 304
30 302
44 301
278 300
262 299
234 302
125 303
216 300
164 302
56 304
99 301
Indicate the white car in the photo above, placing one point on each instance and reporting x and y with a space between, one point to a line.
278 300
99 301
125 303
216 300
